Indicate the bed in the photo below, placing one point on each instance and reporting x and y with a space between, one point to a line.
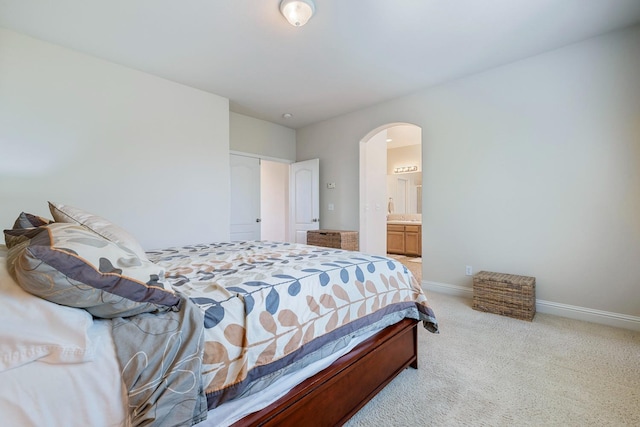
227 333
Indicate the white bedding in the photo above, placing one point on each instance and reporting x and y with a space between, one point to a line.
66 395
59 365
92 393
32 328
85 387
87 391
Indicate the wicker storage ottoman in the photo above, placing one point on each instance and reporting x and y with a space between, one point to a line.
505 294
333 239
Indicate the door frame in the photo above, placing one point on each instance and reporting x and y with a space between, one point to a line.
364 203
289 237
271 159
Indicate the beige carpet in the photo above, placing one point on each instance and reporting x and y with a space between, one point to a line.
413 264
489 370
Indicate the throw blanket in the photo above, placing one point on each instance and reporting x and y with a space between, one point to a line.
160 355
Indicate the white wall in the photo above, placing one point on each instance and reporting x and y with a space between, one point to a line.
148 154
255 136
530 168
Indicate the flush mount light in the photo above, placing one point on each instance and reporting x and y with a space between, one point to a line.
297 12
287 115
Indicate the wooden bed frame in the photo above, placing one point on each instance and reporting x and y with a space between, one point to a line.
335 394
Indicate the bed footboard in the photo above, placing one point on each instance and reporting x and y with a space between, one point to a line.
334 395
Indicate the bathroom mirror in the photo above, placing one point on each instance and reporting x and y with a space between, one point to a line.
405 193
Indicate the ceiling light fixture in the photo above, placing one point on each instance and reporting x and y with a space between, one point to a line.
406 169
297 12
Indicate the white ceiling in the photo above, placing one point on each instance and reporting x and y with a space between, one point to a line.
351 54
403 135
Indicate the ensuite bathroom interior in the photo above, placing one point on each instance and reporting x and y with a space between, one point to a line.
404 191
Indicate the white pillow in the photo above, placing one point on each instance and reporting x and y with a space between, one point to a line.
97 224
35 329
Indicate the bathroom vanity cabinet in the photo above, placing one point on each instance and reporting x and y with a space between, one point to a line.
404 239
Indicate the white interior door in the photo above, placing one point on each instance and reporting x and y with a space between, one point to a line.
245 198
304 192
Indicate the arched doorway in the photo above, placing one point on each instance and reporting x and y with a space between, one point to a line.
382 174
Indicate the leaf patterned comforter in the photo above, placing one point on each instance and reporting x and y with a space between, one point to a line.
270 308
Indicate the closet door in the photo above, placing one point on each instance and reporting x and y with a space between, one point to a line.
304 202
245 198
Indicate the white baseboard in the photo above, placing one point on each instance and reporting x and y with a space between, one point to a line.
445 288
549 307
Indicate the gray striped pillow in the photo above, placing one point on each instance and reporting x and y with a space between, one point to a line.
70 265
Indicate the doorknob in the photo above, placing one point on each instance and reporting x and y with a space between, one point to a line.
258 220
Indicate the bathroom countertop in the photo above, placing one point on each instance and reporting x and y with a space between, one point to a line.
404 222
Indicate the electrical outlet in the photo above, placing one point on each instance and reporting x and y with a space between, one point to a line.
468 270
